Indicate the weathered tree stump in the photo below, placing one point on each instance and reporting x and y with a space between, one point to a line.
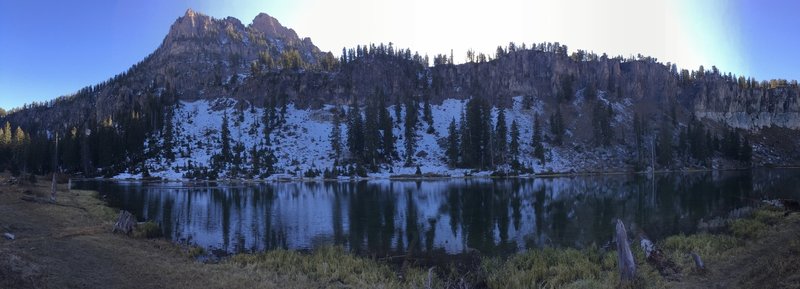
627 266
53 189
125 223
698 262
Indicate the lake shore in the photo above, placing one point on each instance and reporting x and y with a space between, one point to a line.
430 176
69 244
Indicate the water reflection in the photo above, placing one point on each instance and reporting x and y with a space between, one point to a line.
495 217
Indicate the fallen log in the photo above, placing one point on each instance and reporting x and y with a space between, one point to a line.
34 199
9 236
627 266
125 223
791 205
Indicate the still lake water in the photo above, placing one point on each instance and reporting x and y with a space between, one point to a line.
494 216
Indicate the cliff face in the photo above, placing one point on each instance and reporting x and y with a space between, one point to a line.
206 58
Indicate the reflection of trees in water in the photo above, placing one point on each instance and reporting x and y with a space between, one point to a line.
492 216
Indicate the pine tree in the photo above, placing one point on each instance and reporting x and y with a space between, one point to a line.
501 136
355 132
476 140
452 150
372 134
427 114
225 135
557 126
601 122
336 135
464 140
167 133
536 141
255 162
6 140
608 131
386 124
664 144
746 151
410 129
513 146
640 129
566 88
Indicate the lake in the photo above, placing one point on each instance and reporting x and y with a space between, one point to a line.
434 217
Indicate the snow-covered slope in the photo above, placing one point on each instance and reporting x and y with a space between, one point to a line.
303 143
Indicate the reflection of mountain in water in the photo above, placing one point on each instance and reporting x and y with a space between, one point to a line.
451 216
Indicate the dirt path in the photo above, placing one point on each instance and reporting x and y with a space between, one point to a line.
69 246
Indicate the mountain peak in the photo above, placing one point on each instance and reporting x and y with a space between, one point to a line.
271 27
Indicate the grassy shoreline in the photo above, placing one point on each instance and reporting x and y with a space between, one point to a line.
764 233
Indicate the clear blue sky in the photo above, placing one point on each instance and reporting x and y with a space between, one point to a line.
53 48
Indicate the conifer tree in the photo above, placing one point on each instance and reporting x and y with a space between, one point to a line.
513 146
410 129
536 141
452 150
225 135
476 140
386 124
427 114
372 134
464 140
639 129
746 151
501 136
557 126
355 132
664 144
167 133
336 135
6 140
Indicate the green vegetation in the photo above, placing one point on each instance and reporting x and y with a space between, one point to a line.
747 228
595 268
147 230
708 246
333 265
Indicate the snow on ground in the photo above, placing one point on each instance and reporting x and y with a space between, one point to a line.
303 141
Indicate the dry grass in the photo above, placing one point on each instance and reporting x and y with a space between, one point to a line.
332 266
567 268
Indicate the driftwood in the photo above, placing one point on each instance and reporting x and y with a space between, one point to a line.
627 267
125 223
34 199
698 262
657 258
9 236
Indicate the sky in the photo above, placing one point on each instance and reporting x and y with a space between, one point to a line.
53 48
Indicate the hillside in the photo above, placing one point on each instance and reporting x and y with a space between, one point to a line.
279 95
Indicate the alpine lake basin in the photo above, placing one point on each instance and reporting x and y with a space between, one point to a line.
443 217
